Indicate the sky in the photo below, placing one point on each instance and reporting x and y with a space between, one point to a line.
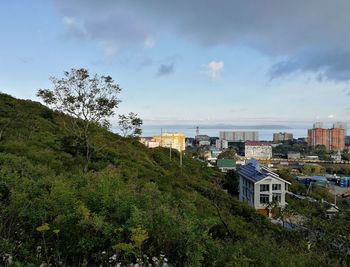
189 61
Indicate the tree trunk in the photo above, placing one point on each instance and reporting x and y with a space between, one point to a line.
87 157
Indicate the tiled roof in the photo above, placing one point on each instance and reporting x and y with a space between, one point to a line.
226 163
256 172
257 143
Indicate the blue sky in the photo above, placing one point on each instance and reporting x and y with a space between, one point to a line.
188 61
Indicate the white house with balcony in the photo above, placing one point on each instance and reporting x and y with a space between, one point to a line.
259 186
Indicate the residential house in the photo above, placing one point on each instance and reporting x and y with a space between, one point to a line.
259 186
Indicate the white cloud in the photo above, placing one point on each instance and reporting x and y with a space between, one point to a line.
331 116
74 27
110 50
149 42
68 21
214 68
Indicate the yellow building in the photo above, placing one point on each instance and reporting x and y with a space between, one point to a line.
173 140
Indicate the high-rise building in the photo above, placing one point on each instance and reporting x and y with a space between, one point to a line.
239 136
342 125
318 125
280 137
332 139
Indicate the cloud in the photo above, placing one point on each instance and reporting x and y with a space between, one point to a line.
149 42
328 64
310 36
214 68
73 28
331 116
165 69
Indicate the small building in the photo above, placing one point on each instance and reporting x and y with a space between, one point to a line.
293 155
336 156
215 152
311 158
202 140
149 142
258 150
226 165
259 186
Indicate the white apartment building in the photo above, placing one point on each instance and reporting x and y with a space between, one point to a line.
239 136
258 150
259 186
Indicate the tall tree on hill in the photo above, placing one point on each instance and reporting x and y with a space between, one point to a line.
89 100
130 125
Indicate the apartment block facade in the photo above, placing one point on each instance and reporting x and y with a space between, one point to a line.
239 136
280 137
332 139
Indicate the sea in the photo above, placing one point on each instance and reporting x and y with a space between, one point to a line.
190 131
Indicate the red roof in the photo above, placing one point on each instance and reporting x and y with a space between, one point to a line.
258 143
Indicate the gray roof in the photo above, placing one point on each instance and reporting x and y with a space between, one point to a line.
255 172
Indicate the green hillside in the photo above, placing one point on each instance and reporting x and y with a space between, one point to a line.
133 205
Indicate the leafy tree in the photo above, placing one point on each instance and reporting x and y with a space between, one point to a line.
130 125
228 154
231 182
313 169
88 100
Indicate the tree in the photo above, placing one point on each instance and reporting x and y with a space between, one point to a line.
228 154
130 125
88 100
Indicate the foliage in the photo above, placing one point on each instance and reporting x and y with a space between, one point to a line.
130 125
134 205
313 169
89 101
228 154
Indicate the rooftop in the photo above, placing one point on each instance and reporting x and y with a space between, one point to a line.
226 163
258 143
254 171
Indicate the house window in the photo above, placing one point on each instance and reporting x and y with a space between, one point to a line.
276 187
276 197
264 187
286 187
264 199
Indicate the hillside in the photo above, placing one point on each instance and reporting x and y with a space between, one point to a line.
133 205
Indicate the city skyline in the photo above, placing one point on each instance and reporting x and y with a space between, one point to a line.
180 62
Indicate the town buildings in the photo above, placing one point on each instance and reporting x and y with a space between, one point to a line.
202 140
221 144
291 155
280 137
258 150
239 136
173 140
332 139
259 186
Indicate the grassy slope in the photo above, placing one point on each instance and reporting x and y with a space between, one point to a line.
130 191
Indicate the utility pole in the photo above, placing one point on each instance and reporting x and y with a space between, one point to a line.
181 160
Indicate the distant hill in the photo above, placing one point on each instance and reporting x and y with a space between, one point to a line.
134 204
